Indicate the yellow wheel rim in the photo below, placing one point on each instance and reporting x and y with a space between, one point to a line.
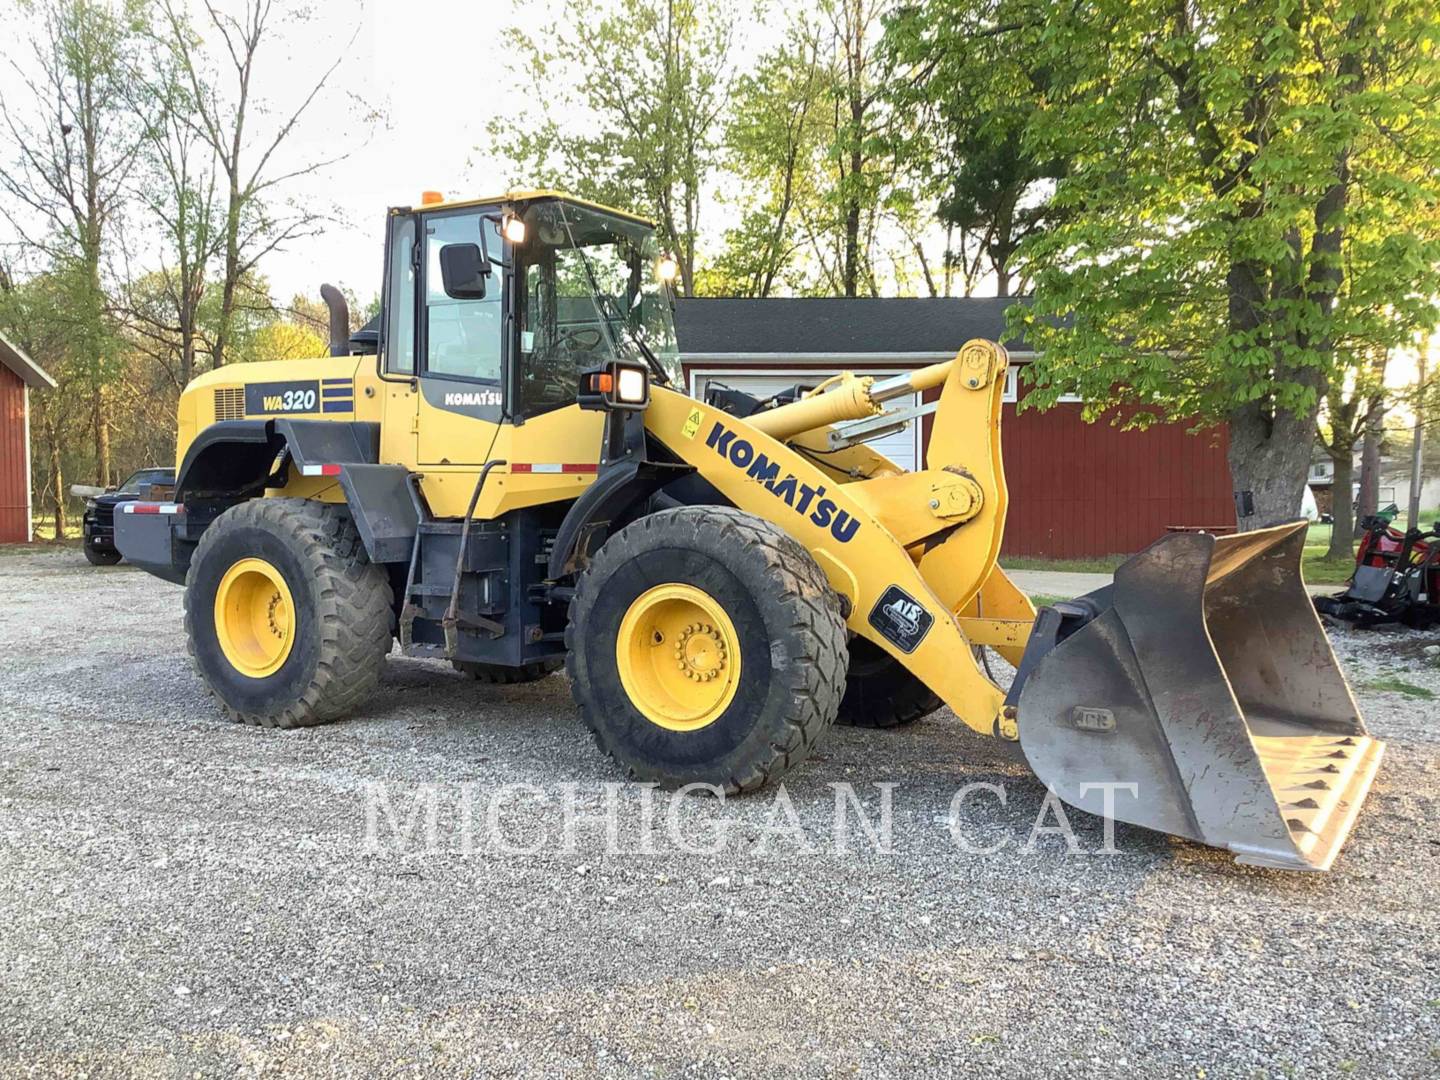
254 618
679 657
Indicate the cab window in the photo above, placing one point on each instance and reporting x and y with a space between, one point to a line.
462 337
400 303
589 292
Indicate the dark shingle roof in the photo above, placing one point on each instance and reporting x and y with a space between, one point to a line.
823 325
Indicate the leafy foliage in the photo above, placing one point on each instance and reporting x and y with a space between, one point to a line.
1252 202
654 76
970 75
1253 193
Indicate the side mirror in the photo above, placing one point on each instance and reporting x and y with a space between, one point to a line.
463 270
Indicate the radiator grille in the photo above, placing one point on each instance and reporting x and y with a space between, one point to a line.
230 403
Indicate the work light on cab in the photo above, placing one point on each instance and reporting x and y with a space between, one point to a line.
667 269
617 385
514 230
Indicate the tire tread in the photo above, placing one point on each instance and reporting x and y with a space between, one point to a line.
354 601
816 677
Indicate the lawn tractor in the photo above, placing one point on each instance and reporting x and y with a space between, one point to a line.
508 474
1396 578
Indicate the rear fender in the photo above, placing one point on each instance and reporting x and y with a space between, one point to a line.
889 602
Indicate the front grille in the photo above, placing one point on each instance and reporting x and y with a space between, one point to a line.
104 516
230 403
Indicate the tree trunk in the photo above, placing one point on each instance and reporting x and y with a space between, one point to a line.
102 437
57 486
222 329
1342 530
1270 457
1369 501
851 271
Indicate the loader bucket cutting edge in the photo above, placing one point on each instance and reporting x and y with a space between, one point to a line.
1207 681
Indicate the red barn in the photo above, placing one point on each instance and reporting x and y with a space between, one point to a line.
18 373
1076 489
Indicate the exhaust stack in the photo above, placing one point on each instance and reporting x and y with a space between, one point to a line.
339 320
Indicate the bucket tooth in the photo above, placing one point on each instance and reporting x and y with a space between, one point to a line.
1222 696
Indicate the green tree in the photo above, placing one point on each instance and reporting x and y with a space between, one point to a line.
967 76
857 149
776 143
35 314
1252 202
650 79
74 146
246 131
827 208
176 194
1354 404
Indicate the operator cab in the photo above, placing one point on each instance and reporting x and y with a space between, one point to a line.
493 308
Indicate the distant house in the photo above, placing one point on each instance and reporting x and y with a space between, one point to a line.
1076 489
1394 486
18 373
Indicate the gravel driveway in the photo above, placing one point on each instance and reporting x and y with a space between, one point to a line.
183 896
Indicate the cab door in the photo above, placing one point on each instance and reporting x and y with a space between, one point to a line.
398 386
460 345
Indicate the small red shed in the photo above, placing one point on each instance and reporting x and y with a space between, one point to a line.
1076 489
18 373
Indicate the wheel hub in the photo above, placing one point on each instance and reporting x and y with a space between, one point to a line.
700 652
254 618
678 658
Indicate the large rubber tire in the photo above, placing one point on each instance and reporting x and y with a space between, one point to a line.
880 692
500 675
342 607
790 639
100 558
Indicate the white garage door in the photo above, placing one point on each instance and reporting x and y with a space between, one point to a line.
902 447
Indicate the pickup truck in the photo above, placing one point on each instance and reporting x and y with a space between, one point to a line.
98 524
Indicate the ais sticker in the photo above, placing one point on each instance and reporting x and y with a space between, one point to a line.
901 619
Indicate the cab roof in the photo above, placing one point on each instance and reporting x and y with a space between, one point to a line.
529 195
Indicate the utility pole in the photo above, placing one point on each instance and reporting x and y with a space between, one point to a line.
1417 459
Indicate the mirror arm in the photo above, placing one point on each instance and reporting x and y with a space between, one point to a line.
485 247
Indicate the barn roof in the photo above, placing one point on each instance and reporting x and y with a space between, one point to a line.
31 373
816 326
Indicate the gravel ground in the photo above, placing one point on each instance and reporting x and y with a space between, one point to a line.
180 895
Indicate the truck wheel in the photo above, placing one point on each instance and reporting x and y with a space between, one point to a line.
499 674
705 646
880 692
96 557
288 621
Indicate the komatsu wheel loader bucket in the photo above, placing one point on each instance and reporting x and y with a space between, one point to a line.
1203 677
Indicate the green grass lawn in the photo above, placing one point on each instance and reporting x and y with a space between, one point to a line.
1100 564
44 527
1318 569
1044 599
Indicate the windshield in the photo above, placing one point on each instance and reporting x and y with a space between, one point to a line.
591 292
144 476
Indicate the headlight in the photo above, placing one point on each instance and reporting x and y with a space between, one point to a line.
617 385
632 386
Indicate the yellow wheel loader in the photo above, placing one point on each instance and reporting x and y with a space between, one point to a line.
507 474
